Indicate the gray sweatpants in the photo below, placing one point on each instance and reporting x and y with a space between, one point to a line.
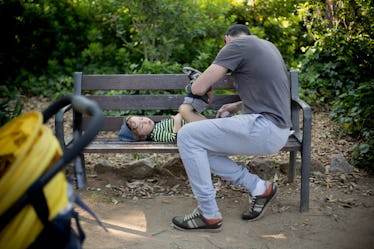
204 147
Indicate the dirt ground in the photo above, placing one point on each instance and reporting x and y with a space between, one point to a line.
138 214
339 217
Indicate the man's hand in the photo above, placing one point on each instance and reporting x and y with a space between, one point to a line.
229 109
206 98
210 95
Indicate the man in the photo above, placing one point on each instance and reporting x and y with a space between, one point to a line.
263 127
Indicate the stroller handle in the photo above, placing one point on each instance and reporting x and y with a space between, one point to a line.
81 105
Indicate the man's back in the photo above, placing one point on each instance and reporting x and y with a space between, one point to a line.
261 77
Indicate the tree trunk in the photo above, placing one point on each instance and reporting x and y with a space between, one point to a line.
331 15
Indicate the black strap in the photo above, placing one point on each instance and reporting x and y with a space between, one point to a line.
204 98
81 233
33 195
83 205
38 201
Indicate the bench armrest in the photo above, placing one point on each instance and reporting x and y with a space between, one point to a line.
307 120
305 107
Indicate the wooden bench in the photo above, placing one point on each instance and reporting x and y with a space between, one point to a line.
163 93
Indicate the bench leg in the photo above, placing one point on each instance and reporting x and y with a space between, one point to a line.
80 171
305 171
292 166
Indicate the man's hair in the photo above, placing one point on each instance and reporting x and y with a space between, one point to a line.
238 29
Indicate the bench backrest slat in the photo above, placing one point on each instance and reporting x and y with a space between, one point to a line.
153 102
112 123
143 82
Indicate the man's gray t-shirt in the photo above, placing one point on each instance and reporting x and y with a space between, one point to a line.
261 77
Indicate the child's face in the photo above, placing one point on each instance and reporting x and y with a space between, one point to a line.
142 125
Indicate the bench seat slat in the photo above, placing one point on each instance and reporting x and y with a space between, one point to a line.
113 145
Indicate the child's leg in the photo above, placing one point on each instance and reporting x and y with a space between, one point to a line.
189 114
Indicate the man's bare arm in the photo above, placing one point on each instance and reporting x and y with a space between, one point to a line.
210 76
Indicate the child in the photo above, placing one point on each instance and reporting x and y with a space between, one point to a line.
140 128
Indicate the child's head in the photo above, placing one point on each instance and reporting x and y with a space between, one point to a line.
141 127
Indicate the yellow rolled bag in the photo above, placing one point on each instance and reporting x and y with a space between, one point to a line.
27 150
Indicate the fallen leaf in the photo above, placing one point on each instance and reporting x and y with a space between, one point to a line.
275 236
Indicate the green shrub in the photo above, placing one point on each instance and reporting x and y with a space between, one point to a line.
354 111
337 71
10 104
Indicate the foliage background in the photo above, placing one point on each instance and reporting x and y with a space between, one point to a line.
329 41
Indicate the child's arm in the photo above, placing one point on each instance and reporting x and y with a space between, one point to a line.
177 122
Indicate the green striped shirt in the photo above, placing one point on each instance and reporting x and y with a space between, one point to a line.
163 131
